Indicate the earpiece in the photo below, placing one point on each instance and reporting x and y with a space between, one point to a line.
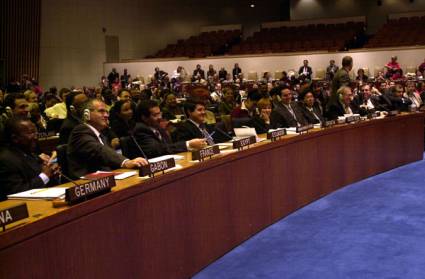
72 108
86 115
9 111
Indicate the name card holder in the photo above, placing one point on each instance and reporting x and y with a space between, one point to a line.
89 190
304 129
393 113
372 115
328 124
207 152
13 214
275 135
154 167
413 108
352 118
241 143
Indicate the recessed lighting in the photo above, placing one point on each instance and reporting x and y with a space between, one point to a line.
252 6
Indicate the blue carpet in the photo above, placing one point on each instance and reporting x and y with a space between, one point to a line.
371 229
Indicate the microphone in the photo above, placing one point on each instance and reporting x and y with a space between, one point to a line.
220 131
67 178
138 146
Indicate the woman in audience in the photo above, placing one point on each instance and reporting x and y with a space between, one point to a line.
121 117
261 120
228 104
361 76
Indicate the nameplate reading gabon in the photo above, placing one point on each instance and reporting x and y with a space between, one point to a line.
13 214
241 143
86 191
209 151
274 135
154 167
304 128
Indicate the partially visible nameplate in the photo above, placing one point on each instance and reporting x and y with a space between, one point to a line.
328 123
157 166
413 108
393 113
372 115
276 134
352 118
13 214
304 128
86 191
209 151
241 143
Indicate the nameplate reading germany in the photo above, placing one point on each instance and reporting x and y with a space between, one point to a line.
274 135
241 143
159 166
86 191
13 214
209 151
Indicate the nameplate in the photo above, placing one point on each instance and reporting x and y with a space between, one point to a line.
328 124
241 143
89 190
304 128
352 118
154 167
209 151
13 214
274 135
372 115
413 108
393 113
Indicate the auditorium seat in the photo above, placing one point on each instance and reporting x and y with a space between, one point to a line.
278 75
252 75
320 74
411 69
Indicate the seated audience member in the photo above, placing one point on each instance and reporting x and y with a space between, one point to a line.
228 104
58 110
74 102
36 117
331 70
398 101
159 75
121 118
236 72
311 109
343 105
171 109
287 113
305 71
261 121
368 102
217 95
393 69
154 139
413 95
275 95
195 126
222 74
31 96
198 73
211 72
247 108
124 95
421 68
361 76
20 169
15 105
89 150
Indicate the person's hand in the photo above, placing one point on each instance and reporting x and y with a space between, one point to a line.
135 163
50 170
197 143
115 143
265 116
44 157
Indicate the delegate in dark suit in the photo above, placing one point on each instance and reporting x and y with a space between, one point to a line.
305 70
156 145
281 117
336 109
314 114
87 154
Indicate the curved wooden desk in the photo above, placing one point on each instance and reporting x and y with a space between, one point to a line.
175 224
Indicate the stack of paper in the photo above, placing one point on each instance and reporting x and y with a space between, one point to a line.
40 194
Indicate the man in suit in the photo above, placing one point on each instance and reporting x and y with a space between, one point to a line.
73 102
344 104
247 107
236 72
15 105
368 102
198 73
311 109
341 77
195 126
153 139
331 70
398 100
287 113
305 71
20 169
89 149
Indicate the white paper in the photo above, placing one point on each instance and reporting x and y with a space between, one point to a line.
166 157
41 193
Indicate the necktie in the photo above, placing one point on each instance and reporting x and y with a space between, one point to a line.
293 114
207 136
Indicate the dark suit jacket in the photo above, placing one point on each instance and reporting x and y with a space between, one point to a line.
152 146
282 118
261 127
86 154
18 172
187 130
336 109
309 116
200 72
66 128
309 71
400 103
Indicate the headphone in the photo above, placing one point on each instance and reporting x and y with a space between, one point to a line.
86 115
72 108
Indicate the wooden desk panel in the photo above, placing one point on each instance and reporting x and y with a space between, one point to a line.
176 224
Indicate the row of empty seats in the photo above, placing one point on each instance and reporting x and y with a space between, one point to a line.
205 44
399 32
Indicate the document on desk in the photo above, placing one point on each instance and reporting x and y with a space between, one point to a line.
40 194
117 175
166 157
291 131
